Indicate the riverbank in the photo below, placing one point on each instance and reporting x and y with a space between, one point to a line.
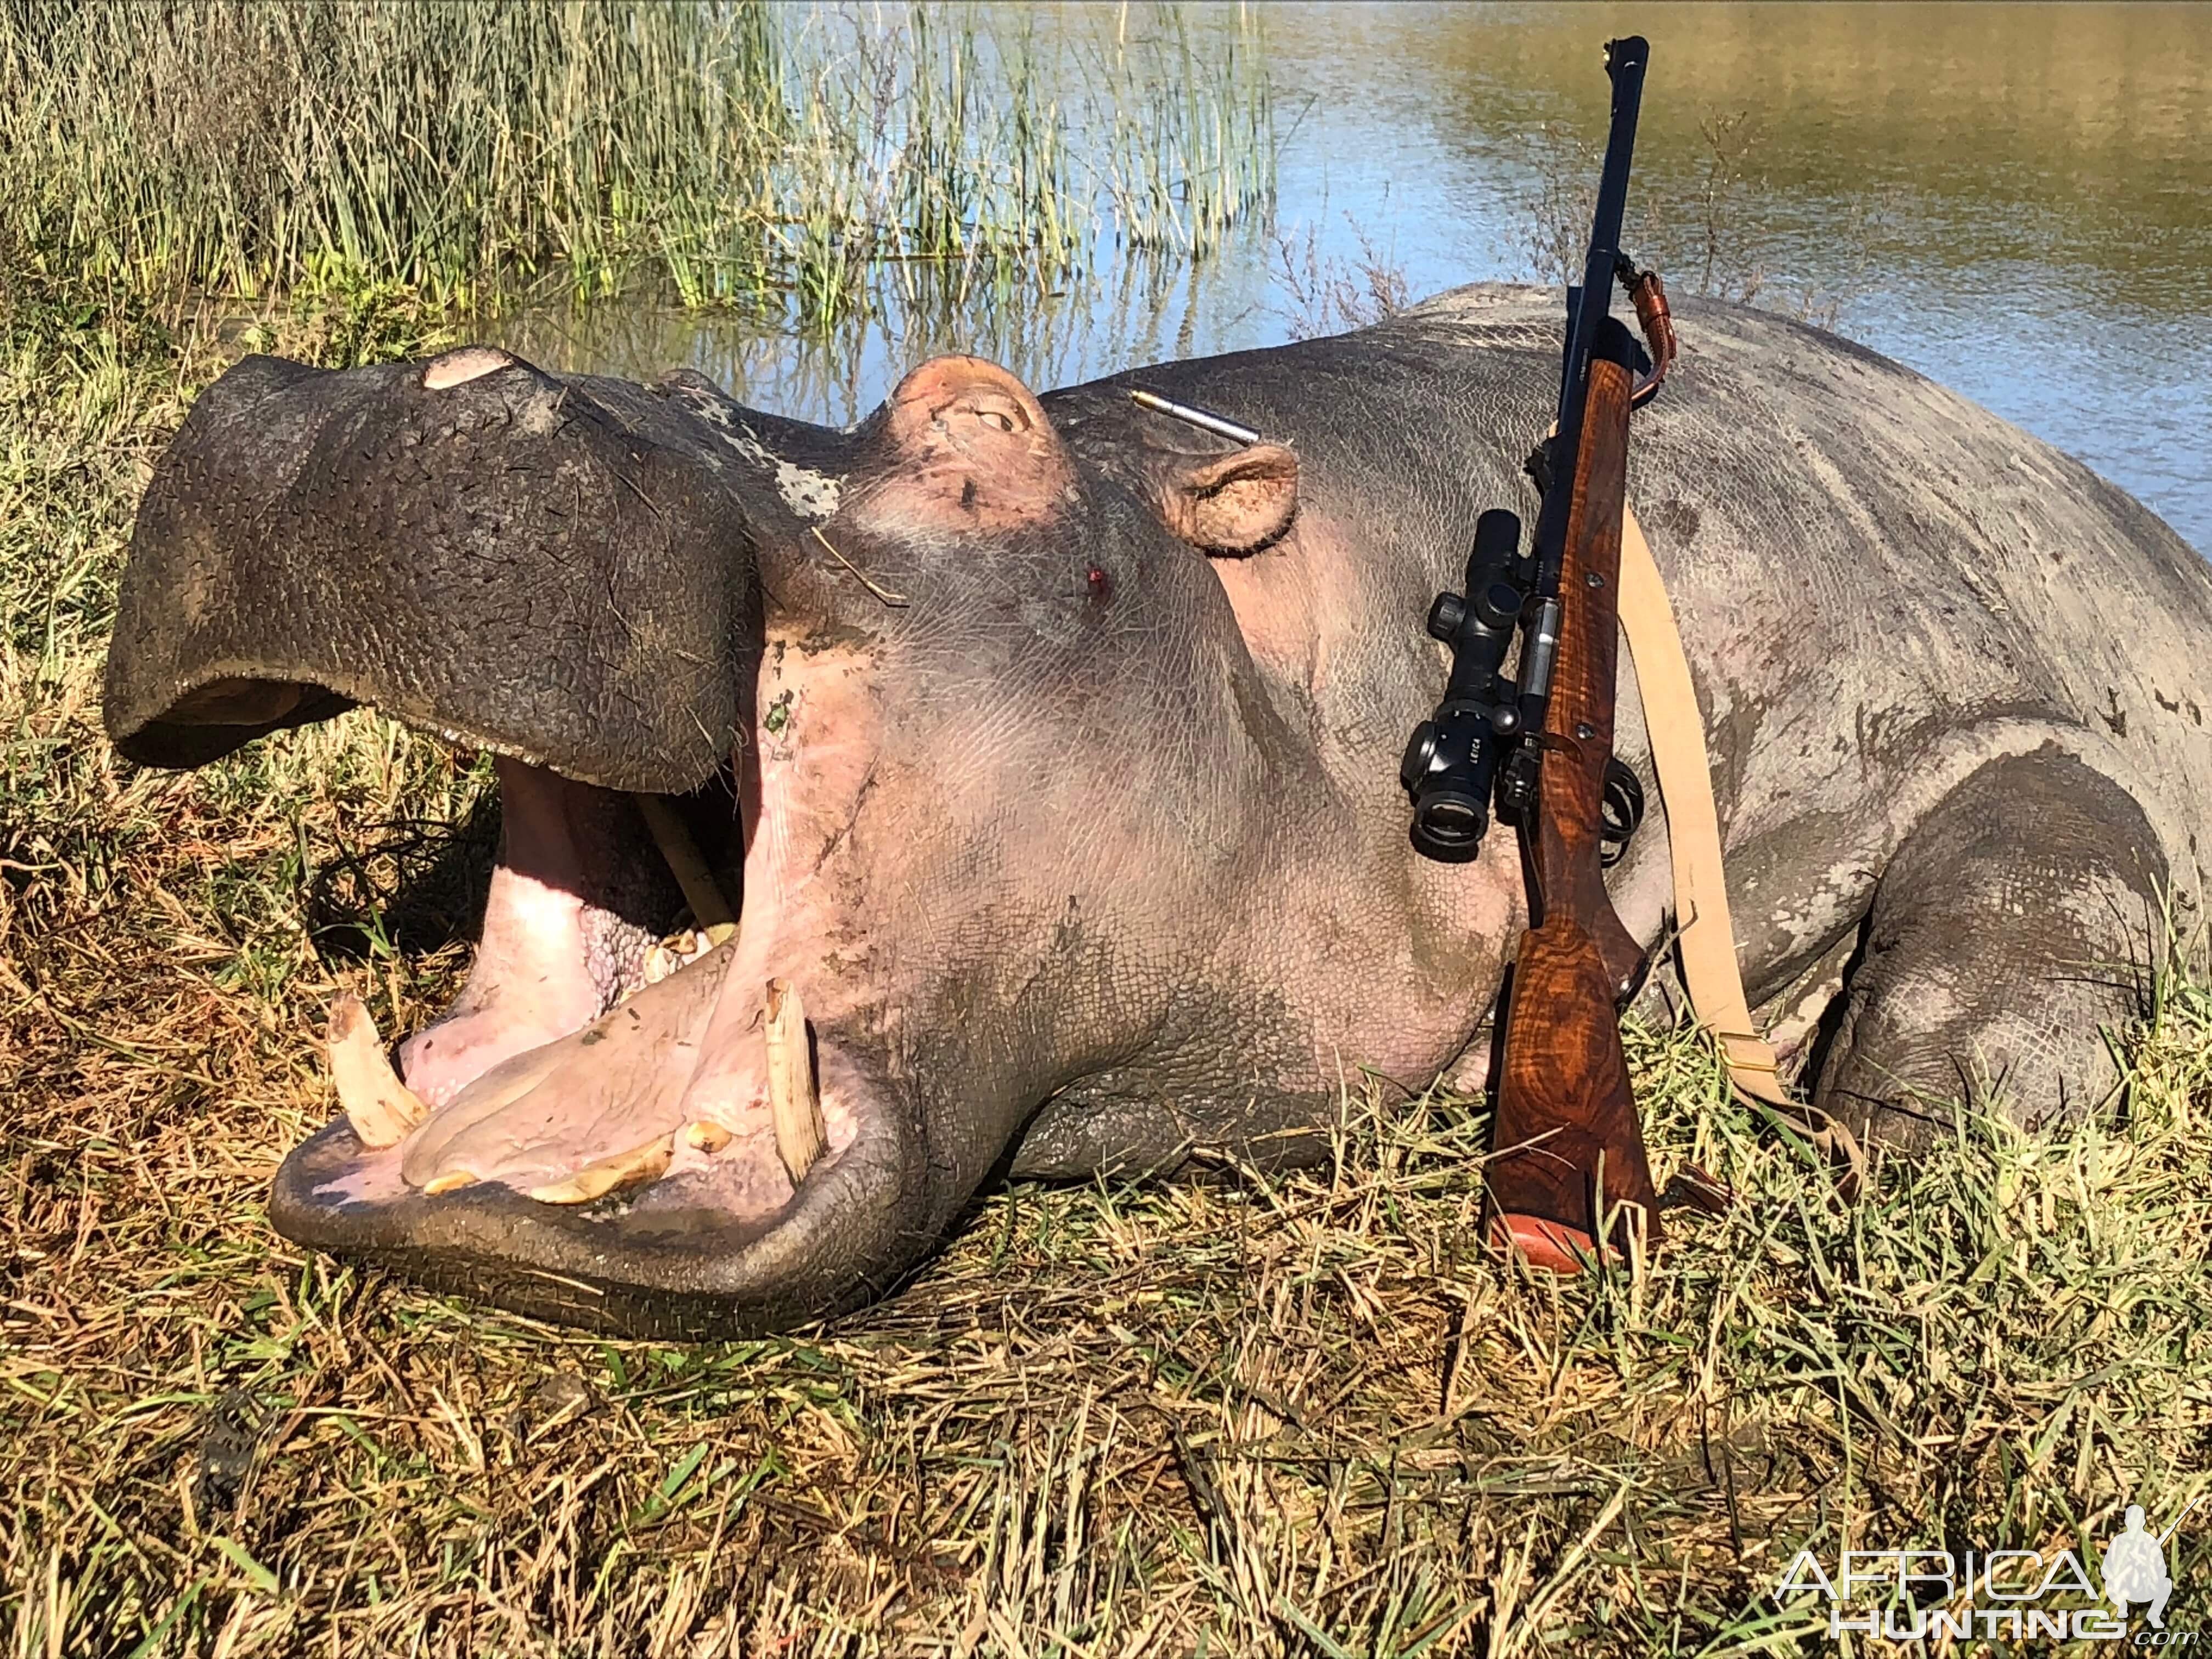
1248 1414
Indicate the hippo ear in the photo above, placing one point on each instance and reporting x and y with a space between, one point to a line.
1233 504
972 448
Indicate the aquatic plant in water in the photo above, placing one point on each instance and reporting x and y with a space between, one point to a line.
783 159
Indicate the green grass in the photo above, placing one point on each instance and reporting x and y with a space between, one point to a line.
1297 1415
1292 1415
791 160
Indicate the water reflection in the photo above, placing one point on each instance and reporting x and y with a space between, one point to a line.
2015 200
1141 311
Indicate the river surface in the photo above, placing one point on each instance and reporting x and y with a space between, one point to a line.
2014 200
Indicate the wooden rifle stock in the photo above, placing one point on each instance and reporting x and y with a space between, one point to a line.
1564 1109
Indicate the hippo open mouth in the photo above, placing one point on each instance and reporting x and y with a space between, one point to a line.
612 1103
867 798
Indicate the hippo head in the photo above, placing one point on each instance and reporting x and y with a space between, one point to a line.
943 724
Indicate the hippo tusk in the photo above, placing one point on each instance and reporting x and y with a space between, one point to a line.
710 908
631 1169
452 1181
793 1101
381 1109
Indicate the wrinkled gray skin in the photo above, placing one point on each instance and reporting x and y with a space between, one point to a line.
1092 850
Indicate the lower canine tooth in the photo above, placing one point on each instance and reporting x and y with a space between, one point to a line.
793 1100
381 1108
452 1181
631 1169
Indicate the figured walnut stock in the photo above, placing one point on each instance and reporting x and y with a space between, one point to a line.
1564 1109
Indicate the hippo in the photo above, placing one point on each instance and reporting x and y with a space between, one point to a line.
1044 751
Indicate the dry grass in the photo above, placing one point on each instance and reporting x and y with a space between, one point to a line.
1333 294
1298 1415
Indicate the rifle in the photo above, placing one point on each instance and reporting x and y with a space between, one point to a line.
1570 1158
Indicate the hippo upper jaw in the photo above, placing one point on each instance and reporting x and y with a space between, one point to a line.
314 539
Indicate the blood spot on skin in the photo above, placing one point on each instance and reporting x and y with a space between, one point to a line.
1101 585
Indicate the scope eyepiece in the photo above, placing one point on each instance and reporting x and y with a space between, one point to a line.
1448 825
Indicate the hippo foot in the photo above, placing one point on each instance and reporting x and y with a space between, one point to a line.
1996 954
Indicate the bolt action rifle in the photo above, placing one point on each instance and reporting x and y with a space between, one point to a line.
1569 1168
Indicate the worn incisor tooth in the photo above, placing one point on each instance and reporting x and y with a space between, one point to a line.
793 1102
381 1108
452 1181
679 950
706 1135
631 1169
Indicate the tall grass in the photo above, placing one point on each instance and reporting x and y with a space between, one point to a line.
746 154
235 145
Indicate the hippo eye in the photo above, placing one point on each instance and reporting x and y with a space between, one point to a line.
999 413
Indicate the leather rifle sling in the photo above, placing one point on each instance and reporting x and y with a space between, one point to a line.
1705 936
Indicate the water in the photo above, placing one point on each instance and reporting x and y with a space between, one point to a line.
2016 201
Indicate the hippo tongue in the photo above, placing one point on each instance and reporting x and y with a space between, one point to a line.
629 1097
539 1119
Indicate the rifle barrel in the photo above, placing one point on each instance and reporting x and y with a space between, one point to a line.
1591 303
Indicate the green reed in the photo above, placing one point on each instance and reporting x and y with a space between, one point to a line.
745 154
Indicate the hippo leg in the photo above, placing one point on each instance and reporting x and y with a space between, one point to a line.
2010 926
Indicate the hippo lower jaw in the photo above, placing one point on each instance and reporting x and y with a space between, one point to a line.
630 1173
674 1261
